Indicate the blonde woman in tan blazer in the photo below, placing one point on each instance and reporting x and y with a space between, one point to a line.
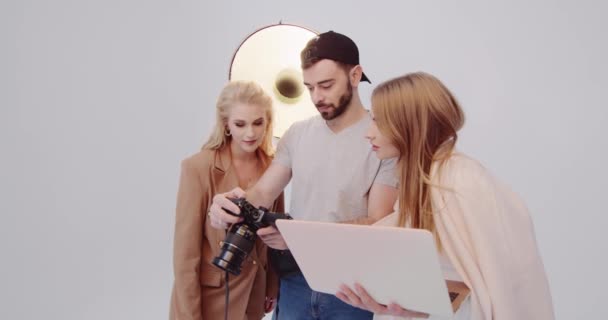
237 153
484 231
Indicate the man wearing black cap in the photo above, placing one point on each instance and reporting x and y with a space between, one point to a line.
326 52
334 173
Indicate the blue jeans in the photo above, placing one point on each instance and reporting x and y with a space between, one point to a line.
298 302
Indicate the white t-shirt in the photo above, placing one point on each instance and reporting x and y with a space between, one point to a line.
332 173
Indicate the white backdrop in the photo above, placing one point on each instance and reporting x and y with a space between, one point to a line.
100 100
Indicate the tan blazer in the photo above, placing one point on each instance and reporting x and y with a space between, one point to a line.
199 286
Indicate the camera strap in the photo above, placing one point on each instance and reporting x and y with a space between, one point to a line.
227 298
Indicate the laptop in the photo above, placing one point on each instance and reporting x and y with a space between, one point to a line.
393 264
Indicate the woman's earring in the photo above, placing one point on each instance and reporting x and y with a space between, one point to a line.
227 133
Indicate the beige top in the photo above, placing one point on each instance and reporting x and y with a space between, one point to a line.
487 235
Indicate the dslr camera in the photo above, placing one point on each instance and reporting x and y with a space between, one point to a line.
240 238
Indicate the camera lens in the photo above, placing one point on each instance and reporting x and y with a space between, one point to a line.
235 248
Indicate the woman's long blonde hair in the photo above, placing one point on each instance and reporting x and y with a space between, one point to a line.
235 92
421 117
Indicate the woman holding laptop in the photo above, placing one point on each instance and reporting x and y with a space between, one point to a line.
484 234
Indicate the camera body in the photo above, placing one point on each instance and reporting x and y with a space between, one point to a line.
240 237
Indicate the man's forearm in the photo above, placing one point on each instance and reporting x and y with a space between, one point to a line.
362 220
258 199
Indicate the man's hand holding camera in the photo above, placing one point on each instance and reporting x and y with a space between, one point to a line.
220 219
272 238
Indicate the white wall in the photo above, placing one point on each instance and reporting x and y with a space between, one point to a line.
99 101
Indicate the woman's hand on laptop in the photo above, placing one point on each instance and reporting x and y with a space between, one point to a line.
272 238
361 299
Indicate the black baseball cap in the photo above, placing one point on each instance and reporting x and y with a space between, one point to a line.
334 46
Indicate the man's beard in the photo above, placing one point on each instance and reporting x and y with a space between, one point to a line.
343 103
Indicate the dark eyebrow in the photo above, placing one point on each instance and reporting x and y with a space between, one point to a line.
320 82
